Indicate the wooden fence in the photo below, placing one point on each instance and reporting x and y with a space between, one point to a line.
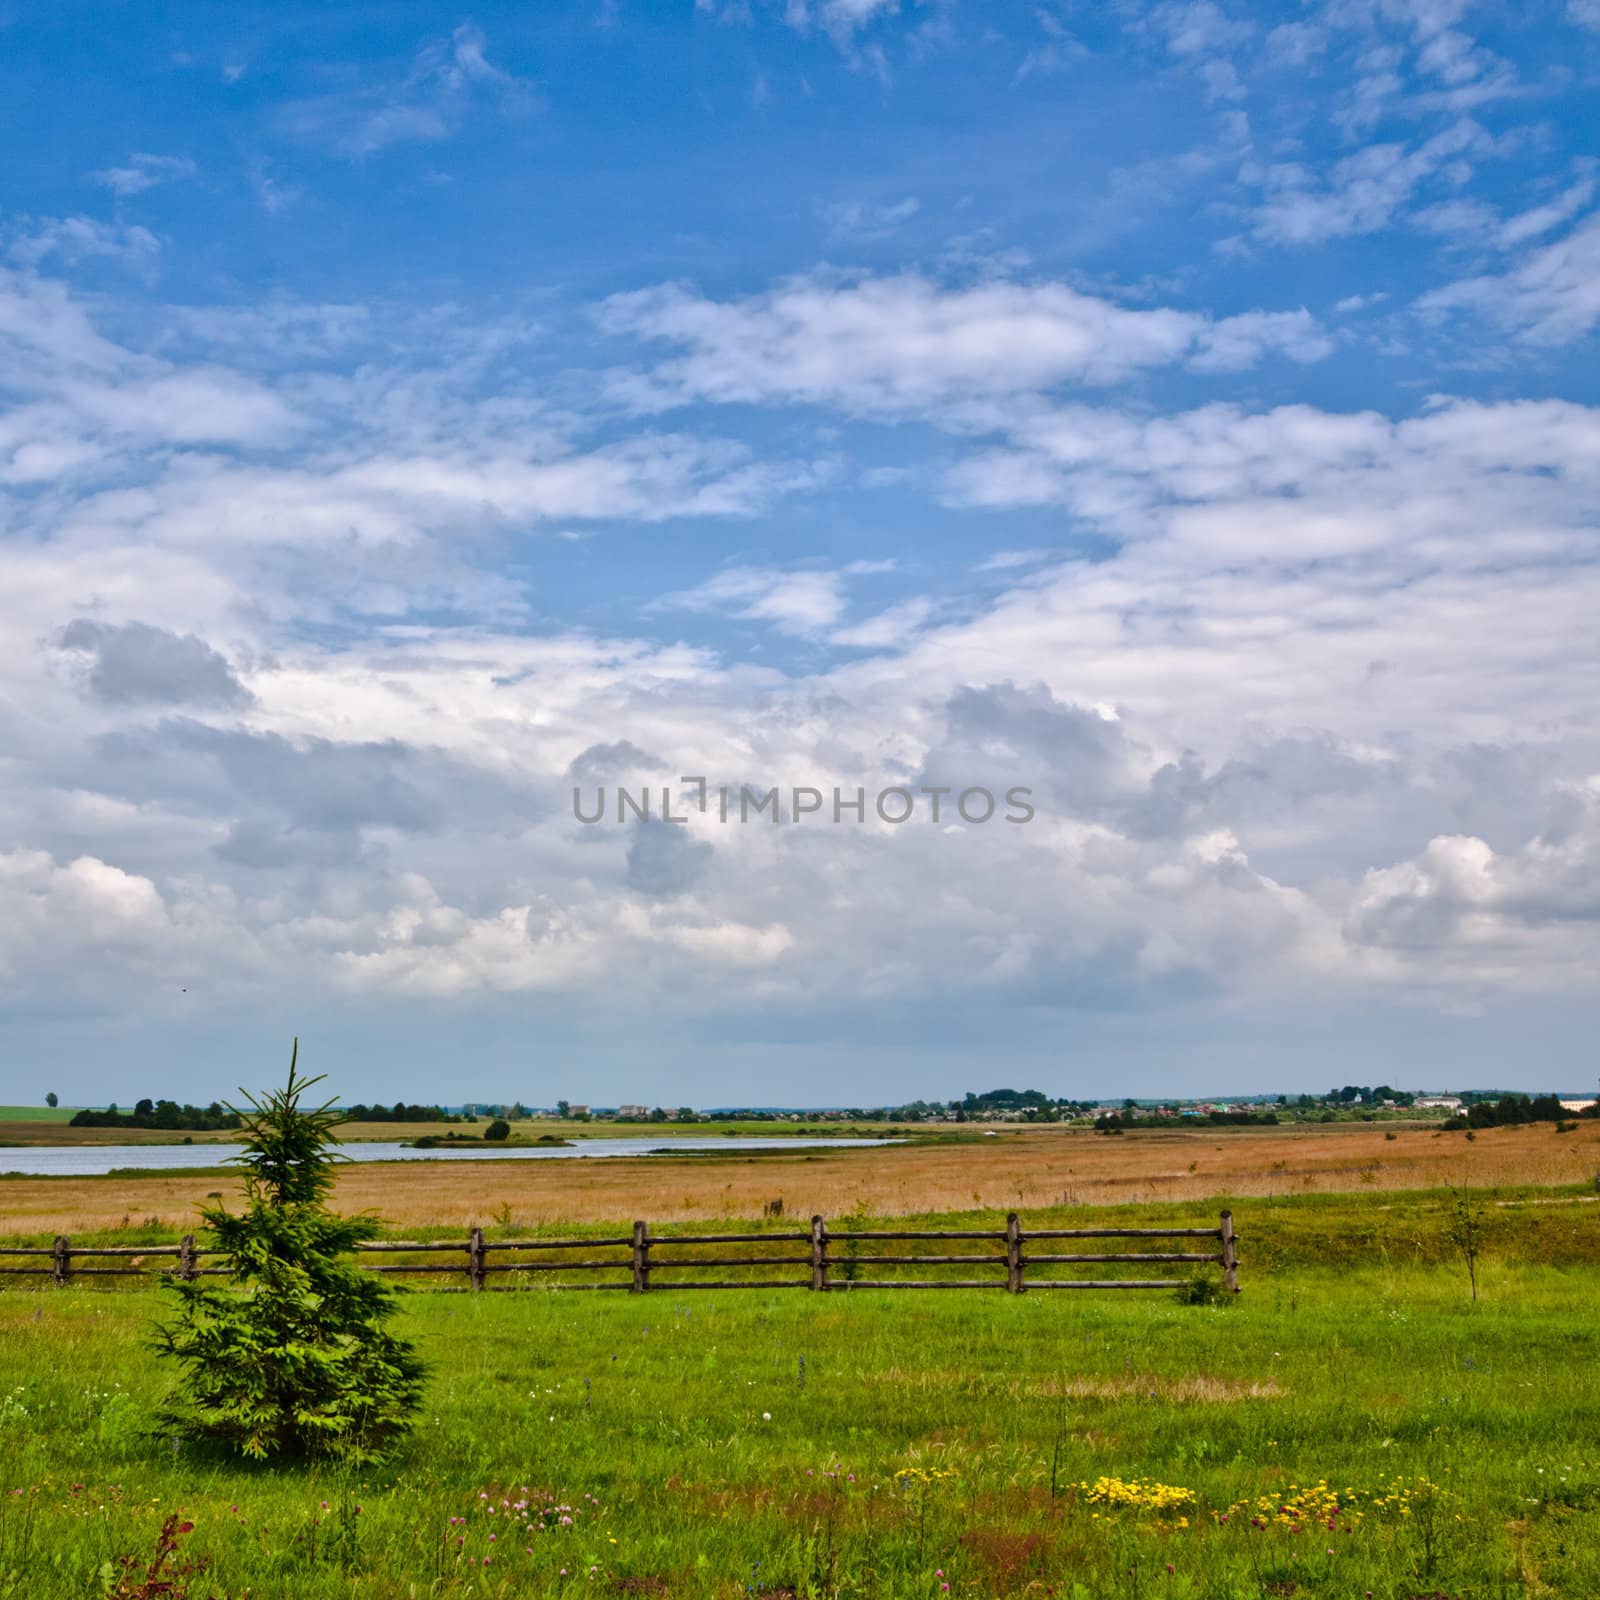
642 1262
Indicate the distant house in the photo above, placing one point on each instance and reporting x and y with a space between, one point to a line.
1437 1102
633 1113
1578 1105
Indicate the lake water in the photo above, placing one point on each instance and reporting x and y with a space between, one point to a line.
95 1160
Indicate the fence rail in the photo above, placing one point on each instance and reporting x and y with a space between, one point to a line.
834 1259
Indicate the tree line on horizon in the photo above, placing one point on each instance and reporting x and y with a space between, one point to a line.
166 1115
1484 1108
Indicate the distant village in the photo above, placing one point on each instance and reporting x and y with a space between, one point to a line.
1474 1108
1351 1103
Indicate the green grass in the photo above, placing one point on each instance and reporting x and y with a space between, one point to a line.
37 1113
694 1436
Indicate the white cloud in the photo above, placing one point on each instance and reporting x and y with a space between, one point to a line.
448 78
1482 915
1537 220
901 343
730 944
795 602
847 16
1196 27
841 20
1551 297
274 197
53 913
1362 193
1295 44
865 222
1297 483
1305 644
69 240
144 171
1199 35
1235 343
1009 560
891 628
428 949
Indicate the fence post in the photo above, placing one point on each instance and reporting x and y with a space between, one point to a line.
475 1257
60 1261
1013 1253
186 1267
819 1253
641 1257
1230 1255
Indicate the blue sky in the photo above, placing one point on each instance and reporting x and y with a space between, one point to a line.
1185 410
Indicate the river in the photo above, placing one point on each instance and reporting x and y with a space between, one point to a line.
88 1160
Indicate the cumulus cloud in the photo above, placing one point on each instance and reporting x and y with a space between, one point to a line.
900 343
311 783
74 394
135 664
1236 343
621 758
1196 27
795 602
1250 659
69 240
665 860
55 914
1199 34
1300 483
848 23
888 629
1551 297
1483 914
144 171
1362 193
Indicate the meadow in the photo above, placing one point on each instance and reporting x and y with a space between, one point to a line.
1352 1423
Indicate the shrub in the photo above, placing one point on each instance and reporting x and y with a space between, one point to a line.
1203 1289
292 1358
498 1129
1465 1227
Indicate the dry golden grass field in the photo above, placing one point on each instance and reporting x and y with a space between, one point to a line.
1016 1169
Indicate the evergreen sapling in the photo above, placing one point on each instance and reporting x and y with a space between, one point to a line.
293 1358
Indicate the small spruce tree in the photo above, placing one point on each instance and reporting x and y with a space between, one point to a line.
292 1358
